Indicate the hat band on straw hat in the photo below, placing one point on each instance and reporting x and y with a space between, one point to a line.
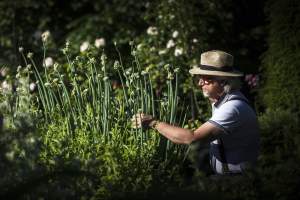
221 69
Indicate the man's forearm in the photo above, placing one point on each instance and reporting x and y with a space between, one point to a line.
174 133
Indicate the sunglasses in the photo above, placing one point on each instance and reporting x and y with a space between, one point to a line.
204 80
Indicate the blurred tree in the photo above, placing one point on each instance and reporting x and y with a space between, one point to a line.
184 30
281 72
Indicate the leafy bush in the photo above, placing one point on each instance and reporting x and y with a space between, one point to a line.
281 60
82 125
279 160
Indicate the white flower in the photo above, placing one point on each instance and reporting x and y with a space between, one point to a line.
178 51
175 34
161 52
48 62
6 87
32 86
170 76
99 42
4 71
92 60
139 47
19 68
152 49
21 49
152 30
195 40
170 44
45 36
67 47
116 65
84 46
30 55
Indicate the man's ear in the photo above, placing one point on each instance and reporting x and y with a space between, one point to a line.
222 83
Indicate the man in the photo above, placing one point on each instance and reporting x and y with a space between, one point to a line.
233 128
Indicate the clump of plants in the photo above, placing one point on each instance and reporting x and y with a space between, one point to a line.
80 123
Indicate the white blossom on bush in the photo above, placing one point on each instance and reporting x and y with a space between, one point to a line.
152 49
4 71
100 42
175 34
161 52
178 51
30 55
32 87
139 47
195 40
6 87
48 62
45 36
21 49
152 30
84 46
170 44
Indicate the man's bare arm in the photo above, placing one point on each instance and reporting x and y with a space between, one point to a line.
205 132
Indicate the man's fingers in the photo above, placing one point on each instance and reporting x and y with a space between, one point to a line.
138 119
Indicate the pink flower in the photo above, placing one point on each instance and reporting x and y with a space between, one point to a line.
252 80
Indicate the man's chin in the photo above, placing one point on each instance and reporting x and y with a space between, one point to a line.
205 94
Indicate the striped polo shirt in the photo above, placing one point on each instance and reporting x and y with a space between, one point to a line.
240 136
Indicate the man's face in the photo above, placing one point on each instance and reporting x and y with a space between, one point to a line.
211 88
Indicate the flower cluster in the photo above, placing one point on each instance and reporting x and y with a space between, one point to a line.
152 30
252 80
84 46
45 35
48 62
99 42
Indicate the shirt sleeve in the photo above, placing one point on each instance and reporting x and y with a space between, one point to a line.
226 117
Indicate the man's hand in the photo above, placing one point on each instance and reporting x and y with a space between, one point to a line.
141 120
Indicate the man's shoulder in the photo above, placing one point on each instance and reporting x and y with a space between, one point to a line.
236 99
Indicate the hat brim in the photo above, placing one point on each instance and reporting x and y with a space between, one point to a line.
199 71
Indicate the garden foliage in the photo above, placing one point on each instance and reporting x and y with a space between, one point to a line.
72 78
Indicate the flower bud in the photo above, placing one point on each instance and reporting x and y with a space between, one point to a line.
100 42
32 87
21 49
30 55
116 65
105 78
45 36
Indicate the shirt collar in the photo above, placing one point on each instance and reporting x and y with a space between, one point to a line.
226 97
221 100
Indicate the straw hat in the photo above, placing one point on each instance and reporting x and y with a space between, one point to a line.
216 63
